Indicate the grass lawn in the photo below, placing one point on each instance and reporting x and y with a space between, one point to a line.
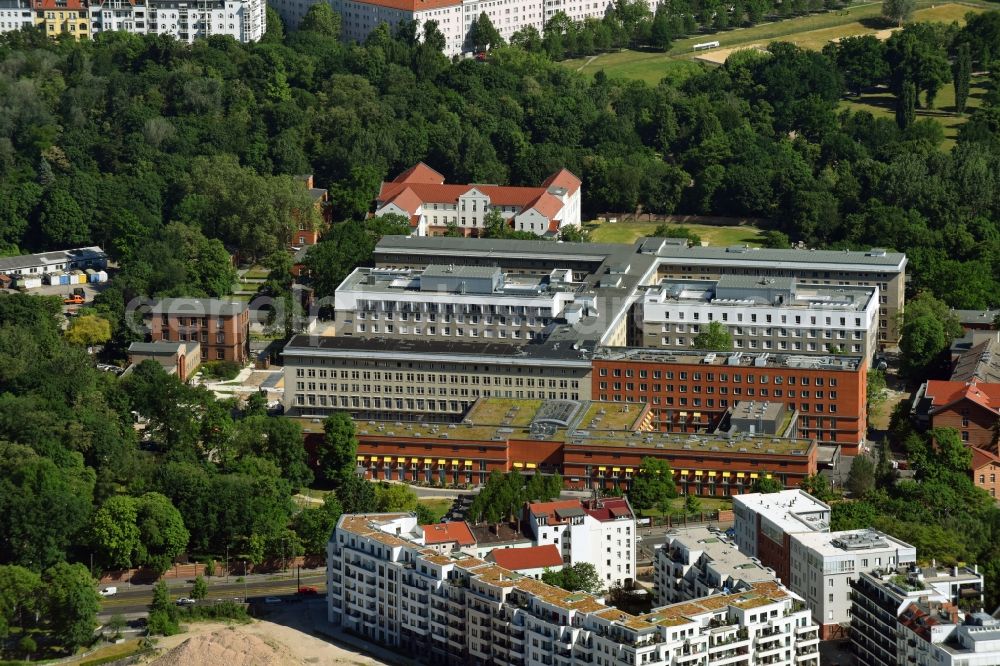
707 504
882 104
110 653
812 31
438 507
257 273
628 232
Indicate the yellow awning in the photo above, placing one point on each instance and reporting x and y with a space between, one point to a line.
699 473
386 458
454 462
697 415
684 414
616 469
442 461
531 465
518 464
711 473
767 476
468 462
360 458
753 475
628 470
740 475
428 460
414 460
682 472
602 469
401 459
727 474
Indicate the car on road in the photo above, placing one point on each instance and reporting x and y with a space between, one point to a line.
272 600
186 601
109 592
308 589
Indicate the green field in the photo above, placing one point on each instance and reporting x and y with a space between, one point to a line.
628 232
438 507
812 31
883 105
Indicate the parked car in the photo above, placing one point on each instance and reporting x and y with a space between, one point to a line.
308 589
109 592
186 601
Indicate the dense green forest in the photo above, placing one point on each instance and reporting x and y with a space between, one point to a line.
136 142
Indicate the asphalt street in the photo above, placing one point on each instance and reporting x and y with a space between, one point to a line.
136 599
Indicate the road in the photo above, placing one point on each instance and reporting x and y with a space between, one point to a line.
136 599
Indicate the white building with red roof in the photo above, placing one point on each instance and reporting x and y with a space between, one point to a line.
432 206
601 532
448 537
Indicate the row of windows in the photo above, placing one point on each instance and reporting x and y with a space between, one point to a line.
419 404
671 401
687 343
753 318
448 331
827 334
723 390
420 377
737 378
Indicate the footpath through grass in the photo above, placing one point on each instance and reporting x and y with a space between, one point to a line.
628 232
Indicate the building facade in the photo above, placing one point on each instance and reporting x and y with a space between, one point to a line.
691 391
765 522
177 358
939 634
878 602
600 532
444 302
697 562
386 587
823 566
57 261
765 314
432 206
590 444
222 328
16 14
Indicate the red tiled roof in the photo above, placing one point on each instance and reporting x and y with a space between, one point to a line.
536 557
549 508
610 509
944 393
51 5
563 178
421 173
982 458
920 619
428 186
458 532
547 205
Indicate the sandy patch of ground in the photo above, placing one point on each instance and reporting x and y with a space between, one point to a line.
719 56
260 643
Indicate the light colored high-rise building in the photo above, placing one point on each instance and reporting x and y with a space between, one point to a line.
243 20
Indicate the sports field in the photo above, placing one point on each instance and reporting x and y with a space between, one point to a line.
812 31
628 232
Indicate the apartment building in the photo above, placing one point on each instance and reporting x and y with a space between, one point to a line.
447 302
432 206
697 562
221 327
385 586
62 17
769 314
16 14
939 634
243 20
601 532
823 566
885 611
765 522
691 391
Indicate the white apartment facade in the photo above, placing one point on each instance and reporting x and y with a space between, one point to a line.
243 20
601 532
768 314
823 566
15 14
696 562
773 516
433 206
933 634
383 585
